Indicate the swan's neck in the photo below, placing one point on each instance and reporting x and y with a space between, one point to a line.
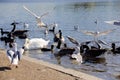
26 45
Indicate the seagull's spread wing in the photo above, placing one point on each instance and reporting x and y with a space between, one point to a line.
88 32
44 14
73 40
106 32
30 12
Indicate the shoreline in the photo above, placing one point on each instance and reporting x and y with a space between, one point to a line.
30 68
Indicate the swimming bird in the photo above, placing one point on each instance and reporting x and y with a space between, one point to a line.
35 43
89 54
4 32
23 36
54 25
18 33
73 52
38 18
58 36
47 49
113 22
76 28
14 55
115 50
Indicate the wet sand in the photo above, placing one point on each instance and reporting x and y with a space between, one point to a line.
32 69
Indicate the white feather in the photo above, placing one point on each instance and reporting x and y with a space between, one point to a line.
36 43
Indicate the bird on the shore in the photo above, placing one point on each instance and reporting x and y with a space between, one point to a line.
35 43
38 18
14 55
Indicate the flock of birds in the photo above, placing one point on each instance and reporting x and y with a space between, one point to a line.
82 52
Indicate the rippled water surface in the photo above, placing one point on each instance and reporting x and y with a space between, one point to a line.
67 15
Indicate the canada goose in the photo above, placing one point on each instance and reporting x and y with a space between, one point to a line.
88 53
115 50
47 49
58 37
54 25
4 32
17 32
7 39
24 36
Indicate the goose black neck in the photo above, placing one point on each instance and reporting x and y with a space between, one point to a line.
59 44
14 27
60 34
113 47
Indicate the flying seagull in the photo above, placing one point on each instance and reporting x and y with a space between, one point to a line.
113 22
97 33
38 18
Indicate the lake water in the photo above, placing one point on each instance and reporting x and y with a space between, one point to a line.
67 15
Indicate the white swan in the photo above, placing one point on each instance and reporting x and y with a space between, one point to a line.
14 55
35 43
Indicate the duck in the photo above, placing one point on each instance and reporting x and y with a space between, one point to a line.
13 54
35 43
4 32
38 18
115 50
